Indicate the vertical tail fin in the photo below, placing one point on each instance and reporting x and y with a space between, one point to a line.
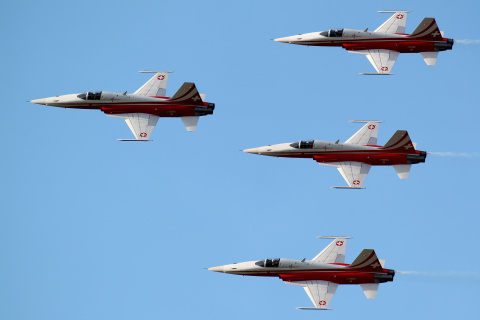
188 93
367 260
427 30
400 141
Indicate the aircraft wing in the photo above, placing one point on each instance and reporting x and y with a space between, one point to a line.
367 135
381 59
353 172
334 252
156 86
396 23
319 291
141 124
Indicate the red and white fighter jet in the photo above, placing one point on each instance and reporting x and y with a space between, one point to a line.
354 157
383 45
141 109
320 276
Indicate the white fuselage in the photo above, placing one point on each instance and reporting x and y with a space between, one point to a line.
286 150
348 35
285 266
106 98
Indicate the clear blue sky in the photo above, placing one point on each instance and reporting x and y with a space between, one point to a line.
92 228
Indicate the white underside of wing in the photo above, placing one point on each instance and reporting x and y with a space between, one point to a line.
353 172
320 292
141 124
395 24
367 135
156 86
381 59
333 253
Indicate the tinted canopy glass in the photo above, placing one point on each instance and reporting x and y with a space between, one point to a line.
268 263
302 144
335 33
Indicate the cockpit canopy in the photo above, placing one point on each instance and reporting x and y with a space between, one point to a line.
268 263
90 95
332 33
302 144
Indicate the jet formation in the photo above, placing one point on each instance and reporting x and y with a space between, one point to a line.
141 109
383 45
320 276
354 157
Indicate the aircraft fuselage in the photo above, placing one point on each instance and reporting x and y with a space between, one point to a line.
350 39
117 103
330 152
296 270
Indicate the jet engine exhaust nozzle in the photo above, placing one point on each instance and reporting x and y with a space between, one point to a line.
202 111
416 158
443 46
384 277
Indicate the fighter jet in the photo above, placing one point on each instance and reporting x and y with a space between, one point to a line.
383 45
320 276
142 108
354 157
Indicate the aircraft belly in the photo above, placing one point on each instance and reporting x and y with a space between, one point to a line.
336 277
376 159
154 109
402 46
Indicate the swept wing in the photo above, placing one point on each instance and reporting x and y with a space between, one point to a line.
395 24
320 292
156 86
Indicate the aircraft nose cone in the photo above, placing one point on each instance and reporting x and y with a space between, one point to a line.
284 40
216 269
39 101
253 150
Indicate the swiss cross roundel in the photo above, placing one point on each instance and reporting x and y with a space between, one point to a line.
400 16
322 302
339 243
371 127
356 182
161 77
143 134
384 68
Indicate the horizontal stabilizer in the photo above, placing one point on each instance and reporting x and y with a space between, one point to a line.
132 140
370 289
429 57
190 122
306 308
402 170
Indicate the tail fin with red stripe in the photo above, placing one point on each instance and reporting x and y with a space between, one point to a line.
367 260
188 94
400 141
427 30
